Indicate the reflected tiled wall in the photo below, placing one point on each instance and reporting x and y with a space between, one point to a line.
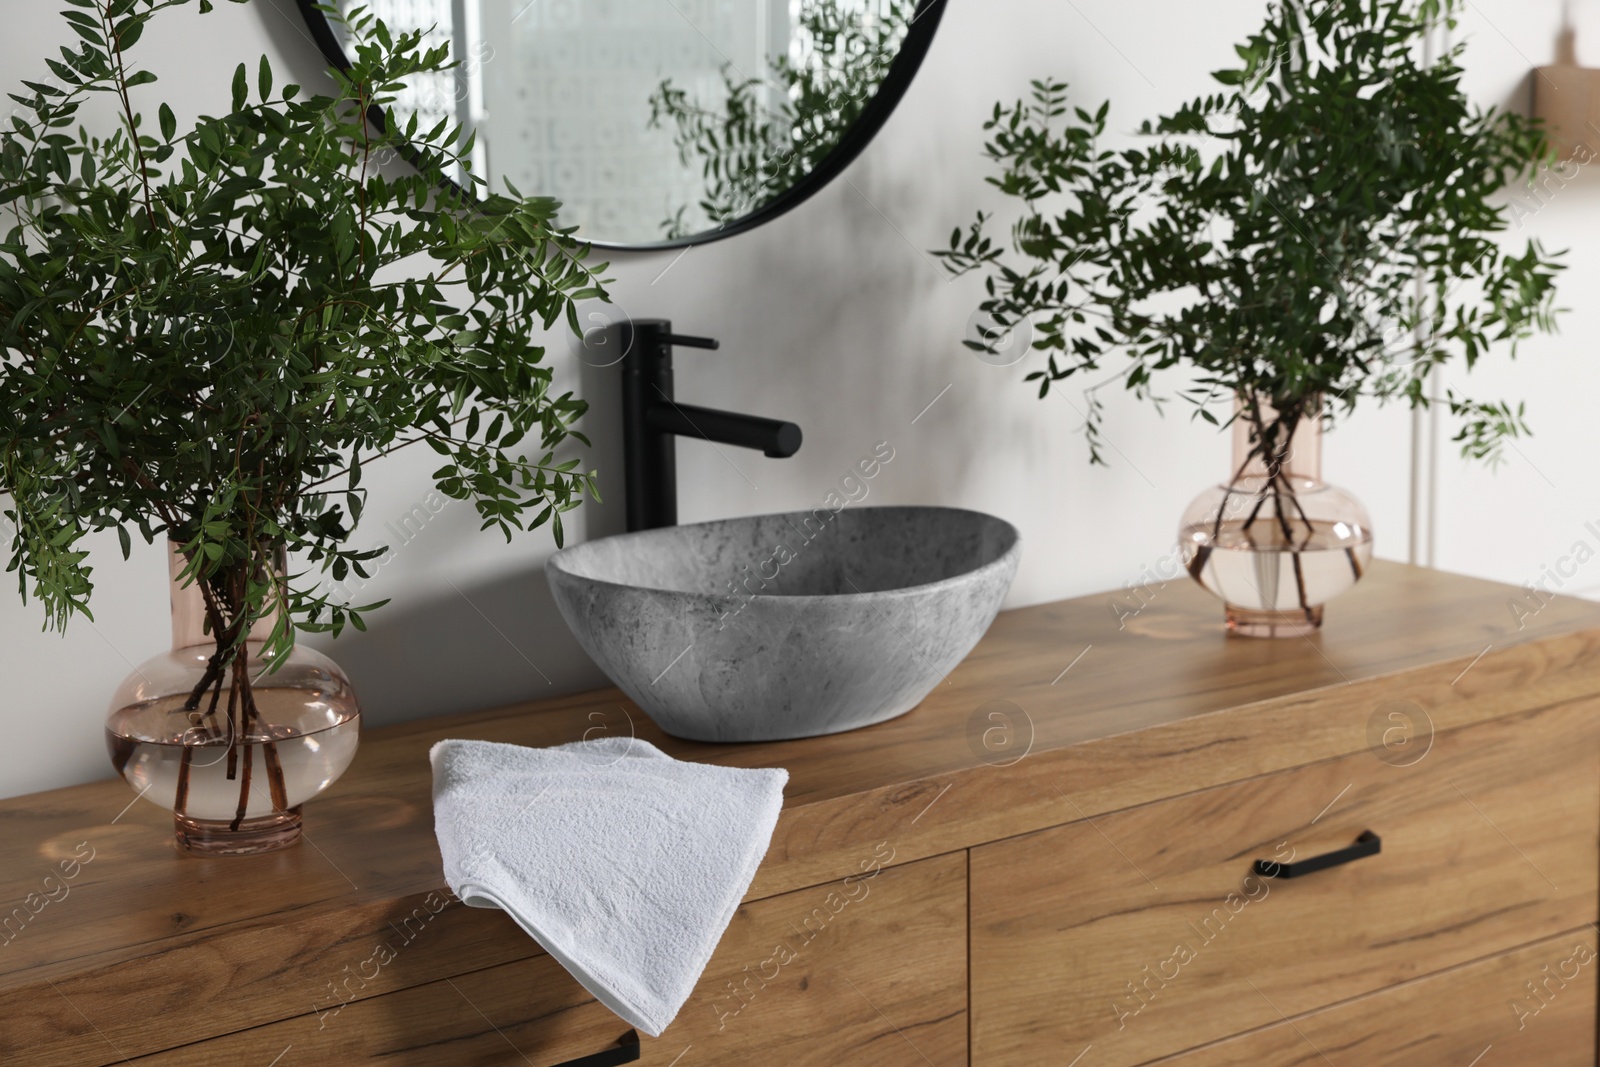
566 98
435 96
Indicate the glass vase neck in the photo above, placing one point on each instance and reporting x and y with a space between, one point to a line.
189 607
1303 457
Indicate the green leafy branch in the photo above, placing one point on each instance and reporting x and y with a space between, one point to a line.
205 335
1325 228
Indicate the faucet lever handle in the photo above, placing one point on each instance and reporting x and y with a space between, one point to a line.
679 340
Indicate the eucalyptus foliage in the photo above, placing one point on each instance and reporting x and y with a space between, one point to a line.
1323 228
206 335
766 135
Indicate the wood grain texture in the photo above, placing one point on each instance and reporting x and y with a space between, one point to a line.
1161 702
1145 932
242 975
529 1013
869 970
1534 1006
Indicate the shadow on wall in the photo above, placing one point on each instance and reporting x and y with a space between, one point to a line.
495 642
475 646
285 27
853 355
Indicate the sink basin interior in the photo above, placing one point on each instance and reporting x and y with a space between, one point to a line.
815 553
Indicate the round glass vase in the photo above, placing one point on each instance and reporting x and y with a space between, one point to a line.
235 779
1276 542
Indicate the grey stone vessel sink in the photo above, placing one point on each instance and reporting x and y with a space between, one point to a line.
780 626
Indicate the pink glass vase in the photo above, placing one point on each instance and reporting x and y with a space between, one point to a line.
1275 542
233 772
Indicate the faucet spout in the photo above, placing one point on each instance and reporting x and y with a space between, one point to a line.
653 420
772 437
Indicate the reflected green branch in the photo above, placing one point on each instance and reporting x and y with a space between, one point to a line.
767 134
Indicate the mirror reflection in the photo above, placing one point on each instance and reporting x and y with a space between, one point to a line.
652 120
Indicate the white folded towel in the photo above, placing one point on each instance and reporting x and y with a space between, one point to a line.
624 863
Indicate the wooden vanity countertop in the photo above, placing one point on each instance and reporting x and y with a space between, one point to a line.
1062 712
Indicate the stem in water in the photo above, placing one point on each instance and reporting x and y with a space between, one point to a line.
249 728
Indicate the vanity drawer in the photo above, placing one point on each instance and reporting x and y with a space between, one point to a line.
1146 932
530 1013
869 971
1532 1006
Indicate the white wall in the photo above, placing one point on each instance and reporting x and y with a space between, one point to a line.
1522 522
834 317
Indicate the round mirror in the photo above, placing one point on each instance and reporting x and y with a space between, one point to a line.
658 123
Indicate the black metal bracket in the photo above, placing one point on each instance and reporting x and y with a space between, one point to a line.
626 1050
1368 844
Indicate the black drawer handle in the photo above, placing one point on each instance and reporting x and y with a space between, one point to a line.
1368 844
626 1050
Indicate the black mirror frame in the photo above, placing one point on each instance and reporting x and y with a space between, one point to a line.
918 39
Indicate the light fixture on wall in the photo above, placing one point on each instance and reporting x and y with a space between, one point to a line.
1566 97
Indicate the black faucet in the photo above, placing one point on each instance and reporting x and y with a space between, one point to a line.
651 417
